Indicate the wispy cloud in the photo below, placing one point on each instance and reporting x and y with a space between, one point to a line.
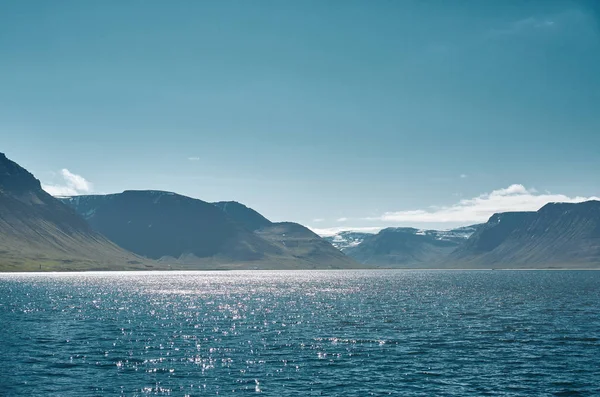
318 220
463 176
71 185
341 219
525 25
481 208
194 158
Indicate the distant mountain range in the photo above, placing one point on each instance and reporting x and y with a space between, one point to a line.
164 230
559 235
196 234
401 247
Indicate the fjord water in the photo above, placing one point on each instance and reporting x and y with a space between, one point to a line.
351 333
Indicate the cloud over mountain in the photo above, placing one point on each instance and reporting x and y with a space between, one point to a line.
71 185
515 197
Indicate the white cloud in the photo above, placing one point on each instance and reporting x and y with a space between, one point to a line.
335 230
71 185
479 209
341 219
194 158
524 25
318 220
463 176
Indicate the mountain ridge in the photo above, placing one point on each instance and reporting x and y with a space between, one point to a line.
38 232
172 228
563 235
401 247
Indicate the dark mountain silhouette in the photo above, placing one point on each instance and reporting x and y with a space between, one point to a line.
167 226
292 238
407 247
558 235
38 232
243 215
301 242
192 233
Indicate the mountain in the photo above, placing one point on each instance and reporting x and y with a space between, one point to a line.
191 233
401 247
170 227
38 232
350 239
293 238
302 243
245 216
347 239
558 235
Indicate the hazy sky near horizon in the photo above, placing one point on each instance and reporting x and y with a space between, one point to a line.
337 114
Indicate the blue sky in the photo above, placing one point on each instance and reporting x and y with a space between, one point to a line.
336 114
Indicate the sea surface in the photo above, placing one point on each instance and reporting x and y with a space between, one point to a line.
301 333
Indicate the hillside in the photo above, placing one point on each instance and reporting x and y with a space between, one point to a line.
170 227
558 235
194 234
292 238
302 243
404 247
38 232
243 215
401 247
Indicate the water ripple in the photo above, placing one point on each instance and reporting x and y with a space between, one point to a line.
350 333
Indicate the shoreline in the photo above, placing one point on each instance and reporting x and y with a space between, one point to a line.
147 272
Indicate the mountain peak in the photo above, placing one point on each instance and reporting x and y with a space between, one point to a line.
16 179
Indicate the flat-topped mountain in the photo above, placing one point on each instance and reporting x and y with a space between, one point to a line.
38 232
195 234
407 247
558 235
167 226
401 247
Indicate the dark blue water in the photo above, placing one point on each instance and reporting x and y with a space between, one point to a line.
351 333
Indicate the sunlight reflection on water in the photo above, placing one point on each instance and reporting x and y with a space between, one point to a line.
300 333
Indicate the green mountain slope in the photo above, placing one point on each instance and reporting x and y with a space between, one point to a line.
559 235
302 243
170 227
38 232
193 234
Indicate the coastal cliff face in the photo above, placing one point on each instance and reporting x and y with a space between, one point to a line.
558 235
37 231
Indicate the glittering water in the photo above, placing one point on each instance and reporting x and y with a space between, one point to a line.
351 333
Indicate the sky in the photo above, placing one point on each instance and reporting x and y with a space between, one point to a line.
336 114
